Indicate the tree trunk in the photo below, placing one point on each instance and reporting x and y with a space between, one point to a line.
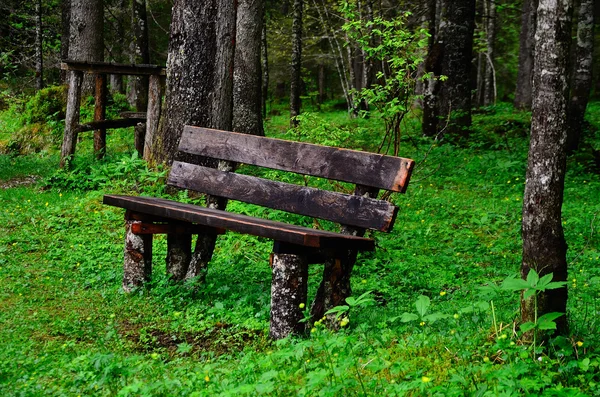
247 78
65 14
455 94
139 53
265 66
544 246
39 53
199 90
581 80
117 44
523 92
137 266
433 66
296 64
289 288
86 41
489 81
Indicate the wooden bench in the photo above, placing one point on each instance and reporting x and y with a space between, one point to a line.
294 246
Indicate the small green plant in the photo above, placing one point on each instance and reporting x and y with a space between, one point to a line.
531 288
422 315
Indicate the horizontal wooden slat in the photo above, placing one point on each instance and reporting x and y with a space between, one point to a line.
240 223
134 115
118 123
337 207
369 169
113 68
153 228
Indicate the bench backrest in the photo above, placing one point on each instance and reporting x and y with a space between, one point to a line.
362 168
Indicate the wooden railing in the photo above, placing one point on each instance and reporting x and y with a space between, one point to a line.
144 136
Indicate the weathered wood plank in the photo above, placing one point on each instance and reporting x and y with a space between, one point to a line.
133 115
118 123
167 228
240 223
337 207
370 169
113 68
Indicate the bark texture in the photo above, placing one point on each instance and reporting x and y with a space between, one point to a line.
581 82
139 53
86 40
65 17
179 254
296 63
433 66
289 288
489 77
456 33
137 266
199 67
71 117
523 93
39 57
247 78
544 246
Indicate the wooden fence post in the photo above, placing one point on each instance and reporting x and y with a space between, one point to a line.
100 115
72 117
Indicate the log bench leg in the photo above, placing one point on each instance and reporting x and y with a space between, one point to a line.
289 288
179 253
203 251
334 288
137 264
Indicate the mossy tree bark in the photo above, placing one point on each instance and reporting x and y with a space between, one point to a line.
526 46
544 246
296 62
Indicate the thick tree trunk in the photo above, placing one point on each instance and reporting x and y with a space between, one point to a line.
247 78
544 246
523 92
39 53
86 40
199 89
581 81
296 63
455 95
139 53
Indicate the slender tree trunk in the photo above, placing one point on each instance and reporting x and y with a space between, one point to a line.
139 53
526 47
296 64
544 246
455 95
582 73
247 78
265 66
433 66
116 47
39 52
86 41
489 82
65 13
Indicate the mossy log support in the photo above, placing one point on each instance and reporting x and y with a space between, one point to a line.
100 115
179 254
205 246
71 117
152 114
289 289
137 267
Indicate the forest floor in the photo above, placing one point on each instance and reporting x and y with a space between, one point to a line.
435 319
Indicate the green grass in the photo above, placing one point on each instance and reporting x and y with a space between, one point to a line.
67 329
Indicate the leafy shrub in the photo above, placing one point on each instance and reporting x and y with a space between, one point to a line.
47 104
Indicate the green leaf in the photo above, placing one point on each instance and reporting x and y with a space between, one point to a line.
514 284
544 281
529 293
408 317
532 278
550 317
422 304
528 326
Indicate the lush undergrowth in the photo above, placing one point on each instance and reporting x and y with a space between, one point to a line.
66 328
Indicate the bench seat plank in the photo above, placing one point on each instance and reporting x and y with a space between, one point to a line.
369 169
341 208
277 231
